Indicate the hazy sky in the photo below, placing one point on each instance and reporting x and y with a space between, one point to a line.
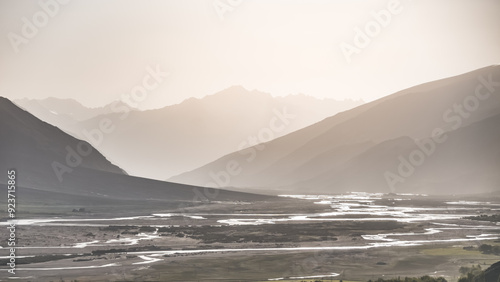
94 51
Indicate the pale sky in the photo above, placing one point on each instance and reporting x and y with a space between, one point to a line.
96 50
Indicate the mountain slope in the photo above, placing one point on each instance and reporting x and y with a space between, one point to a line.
468 160
308 153
33 147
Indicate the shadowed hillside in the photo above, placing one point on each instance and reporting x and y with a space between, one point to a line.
51 164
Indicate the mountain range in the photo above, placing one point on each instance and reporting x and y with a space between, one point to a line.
438 137
164 142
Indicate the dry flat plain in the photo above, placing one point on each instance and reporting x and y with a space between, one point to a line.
353 237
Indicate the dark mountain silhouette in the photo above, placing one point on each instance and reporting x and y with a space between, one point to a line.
52 165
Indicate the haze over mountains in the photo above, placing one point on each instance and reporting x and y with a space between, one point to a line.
374 146
164 142
58 169
438 137
62 108
64 113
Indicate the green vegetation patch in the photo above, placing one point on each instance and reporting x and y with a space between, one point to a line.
484 217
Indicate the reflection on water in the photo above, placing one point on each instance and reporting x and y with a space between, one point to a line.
472 203
382 237
147 260
135 241
306 277
68 268
357 206
85 244
348 207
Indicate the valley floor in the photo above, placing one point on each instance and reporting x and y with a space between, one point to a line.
353 237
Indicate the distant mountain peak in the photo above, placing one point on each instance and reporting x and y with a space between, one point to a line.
236 88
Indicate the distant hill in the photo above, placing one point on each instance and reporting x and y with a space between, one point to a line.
63 113
54 166
62 107
163 142
354 150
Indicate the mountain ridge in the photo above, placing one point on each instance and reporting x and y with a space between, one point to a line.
184 136
414 112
